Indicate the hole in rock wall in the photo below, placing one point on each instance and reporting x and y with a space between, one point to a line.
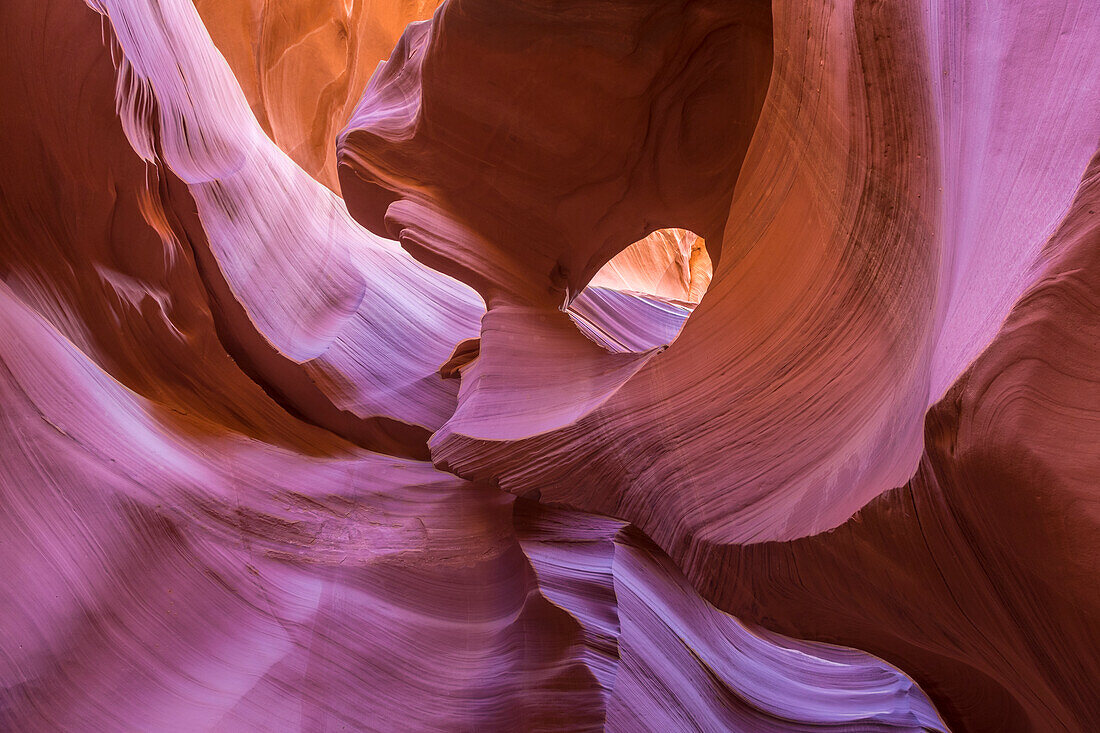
643 296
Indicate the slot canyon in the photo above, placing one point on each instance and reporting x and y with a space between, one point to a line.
531 365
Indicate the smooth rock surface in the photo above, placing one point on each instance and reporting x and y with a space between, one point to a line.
453 423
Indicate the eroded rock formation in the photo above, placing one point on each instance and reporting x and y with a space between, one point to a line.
464 435
303 65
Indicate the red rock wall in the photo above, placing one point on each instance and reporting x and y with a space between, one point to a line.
292 445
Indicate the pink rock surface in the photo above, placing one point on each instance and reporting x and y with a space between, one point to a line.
838 312
480 454
287 259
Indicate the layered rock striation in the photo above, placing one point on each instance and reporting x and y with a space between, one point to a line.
619 366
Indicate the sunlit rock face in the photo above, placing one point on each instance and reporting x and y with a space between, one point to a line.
303 65
672 264
720 365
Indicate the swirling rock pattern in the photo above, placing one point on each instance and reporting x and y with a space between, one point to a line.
621 366
303 65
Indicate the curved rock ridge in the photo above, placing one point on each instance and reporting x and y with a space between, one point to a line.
187 580
287 259
683 665
466 463
186 555
910 164
199 579
861 267
995 543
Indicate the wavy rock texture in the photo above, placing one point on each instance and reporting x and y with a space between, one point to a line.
319 347
841 297
994 542
479 454
303 64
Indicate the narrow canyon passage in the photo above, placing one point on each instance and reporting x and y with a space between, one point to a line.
704 365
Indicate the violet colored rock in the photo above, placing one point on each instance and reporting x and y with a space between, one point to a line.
420 404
